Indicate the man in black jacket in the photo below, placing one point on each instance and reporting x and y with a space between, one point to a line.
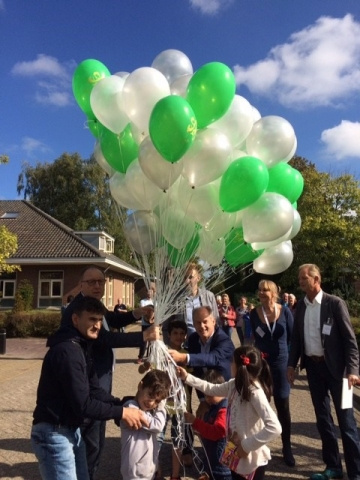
92 283
68 392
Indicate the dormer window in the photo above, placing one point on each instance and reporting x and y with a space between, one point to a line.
9 215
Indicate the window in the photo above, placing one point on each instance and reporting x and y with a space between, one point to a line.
51 288
10 215
7 291
110 291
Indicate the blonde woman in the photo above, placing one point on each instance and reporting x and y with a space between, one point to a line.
272 326
227 315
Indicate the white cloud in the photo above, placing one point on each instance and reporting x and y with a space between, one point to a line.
2 5
319 65
342 141
210 7
53 79
31 146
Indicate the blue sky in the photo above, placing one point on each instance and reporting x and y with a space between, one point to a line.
296 59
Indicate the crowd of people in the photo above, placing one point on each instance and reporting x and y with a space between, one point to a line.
234 418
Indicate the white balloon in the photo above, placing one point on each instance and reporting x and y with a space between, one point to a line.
220 223
179 86
237 121
172 64
271 139
268 218
123 75
274 259
106 101
161 172
143 88
256 114
262 245
142 231
201 203
211 249
296 225
101 160
121 193
143 189
176 227
207 158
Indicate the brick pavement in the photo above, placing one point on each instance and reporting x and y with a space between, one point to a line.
19 374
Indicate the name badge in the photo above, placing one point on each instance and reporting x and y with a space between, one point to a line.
326 329
260 332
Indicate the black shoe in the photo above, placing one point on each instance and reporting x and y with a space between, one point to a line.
327 474
288 457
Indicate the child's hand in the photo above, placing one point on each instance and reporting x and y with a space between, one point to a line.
181 373
189 417
240 452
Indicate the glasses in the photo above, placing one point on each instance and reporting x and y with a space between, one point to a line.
263 290
92 283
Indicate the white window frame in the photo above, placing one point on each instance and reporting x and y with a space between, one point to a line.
5 282
51 282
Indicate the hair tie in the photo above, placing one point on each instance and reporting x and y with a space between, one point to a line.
245 359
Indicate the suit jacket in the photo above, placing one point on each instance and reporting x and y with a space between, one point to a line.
219 358
102 347
340 346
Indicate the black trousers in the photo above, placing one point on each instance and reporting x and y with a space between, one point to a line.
259 475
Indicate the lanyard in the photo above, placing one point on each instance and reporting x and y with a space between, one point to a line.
271 330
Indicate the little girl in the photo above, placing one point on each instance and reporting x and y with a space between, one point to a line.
251 422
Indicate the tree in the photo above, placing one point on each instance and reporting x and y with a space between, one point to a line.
75 192
330 232
8 241
8 246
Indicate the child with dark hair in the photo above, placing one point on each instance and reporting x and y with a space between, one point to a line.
212 429
140 448
177 331
251 422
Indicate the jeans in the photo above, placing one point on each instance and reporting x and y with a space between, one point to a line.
60 451
228 330
321 385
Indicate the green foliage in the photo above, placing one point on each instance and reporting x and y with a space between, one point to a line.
8 246
4 159
76 192
36 323
24 297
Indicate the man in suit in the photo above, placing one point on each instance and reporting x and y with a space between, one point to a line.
324 341
209 347
92 284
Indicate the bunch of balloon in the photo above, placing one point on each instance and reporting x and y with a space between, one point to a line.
197 170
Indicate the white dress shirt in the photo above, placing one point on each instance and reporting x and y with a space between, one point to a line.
312 333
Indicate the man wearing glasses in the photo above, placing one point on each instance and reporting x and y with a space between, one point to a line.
92 284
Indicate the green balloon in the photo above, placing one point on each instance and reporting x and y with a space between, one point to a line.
210 92
298 186
172 127
245 180
179 257
118 150
237 252
94 126
86 75
281 179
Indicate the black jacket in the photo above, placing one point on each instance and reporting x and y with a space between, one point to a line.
102 348
68 388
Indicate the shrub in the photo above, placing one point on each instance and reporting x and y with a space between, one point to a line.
37 323
24 297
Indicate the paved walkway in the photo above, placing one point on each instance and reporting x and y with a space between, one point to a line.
19 375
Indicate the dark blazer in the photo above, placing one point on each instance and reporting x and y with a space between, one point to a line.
219 358
102 347
340 347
